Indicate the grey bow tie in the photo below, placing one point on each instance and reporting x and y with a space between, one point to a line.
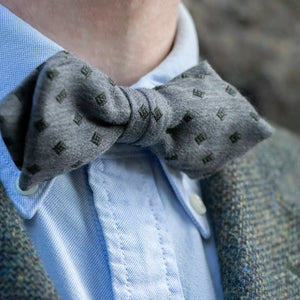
66 113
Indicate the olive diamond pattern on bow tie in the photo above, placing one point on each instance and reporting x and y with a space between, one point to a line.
230 91
157 113
254 116
221 114
235 137
200 76
86 71
198 93
208 158
41 125
77 113
101 99
77 164
78 118
143 112
52 74
61 96
159 87
188 117
200 138
96 139
59 148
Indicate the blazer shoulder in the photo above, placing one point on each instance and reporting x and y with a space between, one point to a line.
277 162
254 205
282 144
273 162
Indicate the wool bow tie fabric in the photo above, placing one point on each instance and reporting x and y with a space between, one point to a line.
66 113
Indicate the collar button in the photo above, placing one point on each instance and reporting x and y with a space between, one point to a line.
29 192
197 204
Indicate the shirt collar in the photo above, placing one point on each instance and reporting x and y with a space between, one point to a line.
184 54
23 48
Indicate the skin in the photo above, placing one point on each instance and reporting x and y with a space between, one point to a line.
123 38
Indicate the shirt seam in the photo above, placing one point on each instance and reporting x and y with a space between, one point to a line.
120 240
97 224
163 251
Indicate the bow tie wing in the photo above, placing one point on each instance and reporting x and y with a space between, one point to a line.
209 122
62 116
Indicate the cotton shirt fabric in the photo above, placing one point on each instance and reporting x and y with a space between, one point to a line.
122 226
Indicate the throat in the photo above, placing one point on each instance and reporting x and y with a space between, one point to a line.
124 39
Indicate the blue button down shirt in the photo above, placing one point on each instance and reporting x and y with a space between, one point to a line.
122 226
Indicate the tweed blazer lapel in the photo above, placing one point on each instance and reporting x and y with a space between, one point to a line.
254 205
22 275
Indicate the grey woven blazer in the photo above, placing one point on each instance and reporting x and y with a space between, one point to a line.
254 203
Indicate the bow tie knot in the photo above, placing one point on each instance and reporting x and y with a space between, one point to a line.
66 113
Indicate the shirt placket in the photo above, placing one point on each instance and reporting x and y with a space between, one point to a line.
140 252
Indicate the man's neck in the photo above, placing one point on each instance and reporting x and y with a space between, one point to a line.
124 39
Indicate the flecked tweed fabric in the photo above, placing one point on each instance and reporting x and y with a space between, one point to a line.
66 113
254 203
255 209
22 276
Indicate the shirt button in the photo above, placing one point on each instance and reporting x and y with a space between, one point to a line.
197 204
29 192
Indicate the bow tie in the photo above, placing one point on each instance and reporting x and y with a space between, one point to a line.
66 113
